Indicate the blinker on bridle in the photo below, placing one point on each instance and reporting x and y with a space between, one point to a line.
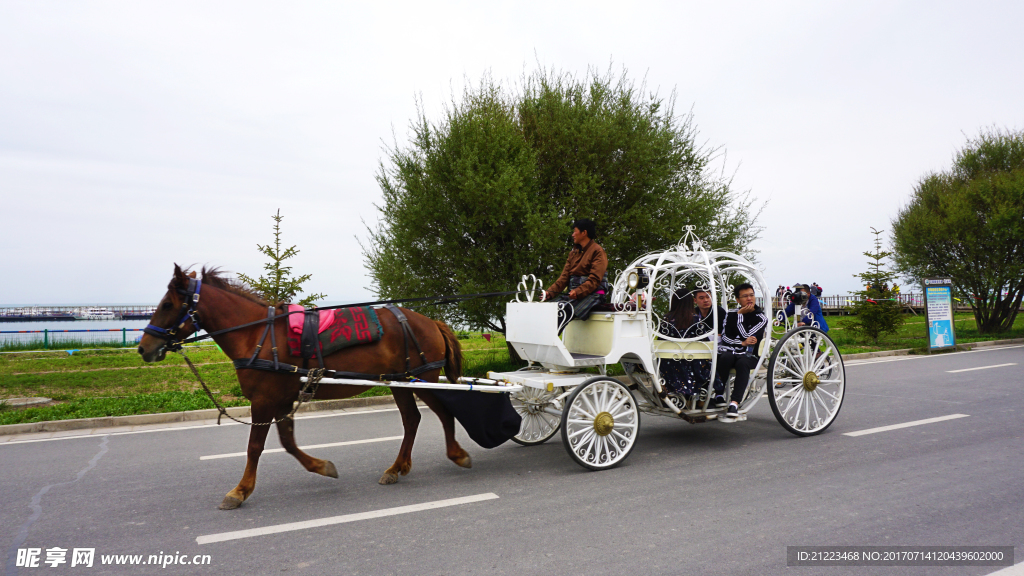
188 312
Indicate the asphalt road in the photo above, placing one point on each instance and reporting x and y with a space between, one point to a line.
691 499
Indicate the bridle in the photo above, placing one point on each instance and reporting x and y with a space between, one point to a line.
188 312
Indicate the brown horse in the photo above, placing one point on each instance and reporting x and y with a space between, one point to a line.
226 304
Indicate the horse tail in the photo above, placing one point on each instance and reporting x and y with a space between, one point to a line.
452 353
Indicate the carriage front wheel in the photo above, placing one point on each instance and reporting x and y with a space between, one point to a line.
806 381
600 422
540 415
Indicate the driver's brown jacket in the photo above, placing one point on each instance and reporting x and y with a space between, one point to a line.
591 262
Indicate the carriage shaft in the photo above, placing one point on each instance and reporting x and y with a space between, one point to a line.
465 384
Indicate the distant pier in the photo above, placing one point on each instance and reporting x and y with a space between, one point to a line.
72 313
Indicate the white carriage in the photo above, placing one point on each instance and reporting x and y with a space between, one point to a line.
567 387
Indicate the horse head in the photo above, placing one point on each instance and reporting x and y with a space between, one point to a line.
174 317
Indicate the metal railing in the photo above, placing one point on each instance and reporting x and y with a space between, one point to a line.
51 339
840 304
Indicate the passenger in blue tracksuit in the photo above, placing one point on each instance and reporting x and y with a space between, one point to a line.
811 311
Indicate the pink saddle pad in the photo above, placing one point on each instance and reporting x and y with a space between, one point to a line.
296 319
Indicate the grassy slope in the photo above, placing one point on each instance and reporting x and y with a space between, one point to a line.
116 382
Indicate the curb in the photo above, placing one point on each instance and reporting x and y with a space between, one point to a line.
906 351
169 417
880 354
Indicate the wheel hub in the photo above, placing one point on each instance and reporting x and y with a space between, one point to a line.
811 381
603 424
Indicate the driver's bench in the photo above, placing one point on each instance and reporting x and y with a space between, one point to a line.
602 339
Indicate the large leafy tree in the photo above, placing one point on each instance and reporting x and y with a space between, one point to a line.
486 193
968 223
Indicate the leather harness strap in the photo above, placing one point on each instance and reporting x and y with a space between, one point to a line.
263 338
408 333
267 365
276 366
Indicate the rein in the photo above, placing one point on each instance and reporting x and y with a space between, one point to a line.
438 299
305 394
313 375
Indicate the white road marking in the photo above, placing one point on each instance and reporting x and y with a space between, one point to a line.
349 443
292 526
176 428
981 368
905 425
912 399
1017 570
884 359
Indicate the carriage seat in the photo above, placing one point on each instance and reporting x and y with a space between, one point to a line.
601 339
670 350
590 337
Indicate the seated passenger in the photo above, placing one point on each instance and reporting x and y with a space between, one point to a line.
683 321
744 328
676 374
811 312
584 273
704 320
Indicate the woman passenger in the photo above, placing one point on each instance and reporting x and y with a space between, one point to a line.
685 320
676 323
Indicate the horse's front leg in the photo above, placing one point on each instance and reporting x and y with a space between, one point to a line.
257 439
411 422
286 432
455 452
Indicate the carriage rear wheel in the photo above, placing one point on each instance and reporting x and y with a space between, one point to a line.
600 422
540 417
806 381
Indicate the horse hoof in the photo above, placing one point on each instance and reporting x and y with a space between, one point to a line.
465 461
329 469
388 478
230 503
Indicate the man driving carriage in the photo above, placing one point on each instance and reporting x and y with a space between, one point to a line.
584 273
737 349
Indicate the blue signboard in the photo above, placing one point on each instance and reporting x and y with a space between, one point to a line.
938 298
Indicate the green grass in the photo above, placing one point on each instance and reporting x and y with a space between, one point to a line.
175 401
478 363
58 341
913 333
91 374
115 382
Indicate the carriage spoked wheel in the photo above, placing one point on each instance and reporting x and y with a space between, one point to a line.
536 405
600 422
806 381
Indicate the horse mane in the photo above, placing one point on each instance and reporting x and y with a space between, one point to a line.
215 277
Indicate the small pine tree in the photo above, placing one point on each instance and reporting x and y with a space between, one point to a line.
279 286
878 312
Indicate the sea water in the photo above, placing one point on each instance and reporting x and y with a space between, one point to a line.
24 332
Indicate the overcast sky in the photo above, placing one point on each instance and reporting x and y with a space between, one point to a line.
134 135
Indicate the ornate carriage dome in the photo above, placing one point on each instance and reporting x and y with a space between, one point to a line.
655 282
